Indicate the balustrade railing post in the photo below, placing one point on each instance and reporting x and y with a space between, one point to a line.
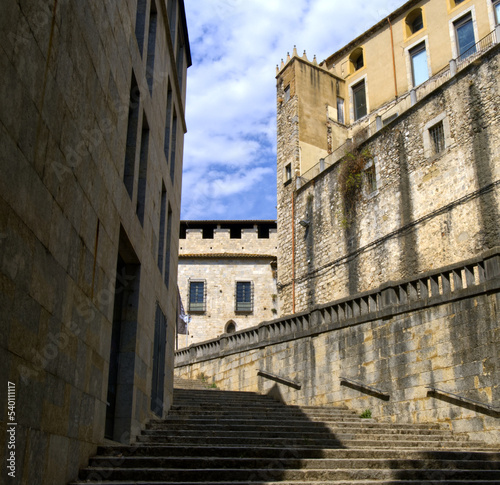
378 122
389 297
492 267
223 343
453 67
413 96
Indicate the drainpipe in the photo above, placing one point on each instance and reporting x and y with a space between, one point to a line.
393 59
293 251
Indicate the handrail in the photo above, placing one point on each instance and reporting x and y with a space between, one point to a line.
280 379
366 386
464 399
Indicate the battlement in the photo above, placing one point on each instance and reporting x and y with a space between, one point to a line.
238 237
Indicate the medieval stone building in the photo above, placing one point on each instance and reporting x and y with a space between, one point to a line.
388 214
227 276
388 154
91 138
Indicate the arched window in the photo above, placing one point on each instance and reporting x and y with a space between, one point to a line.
356 59
414 22
230 327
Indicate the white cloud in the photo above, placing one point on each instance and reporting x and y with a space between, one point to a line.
230 147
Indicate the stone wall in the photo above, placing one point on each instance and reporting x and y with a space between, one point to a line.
87 188
380 350
428 210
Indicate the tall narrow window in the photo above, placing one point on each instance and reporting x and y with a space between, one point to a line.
287 93
150 62
172 18
173 144
419 69
197 296
464 30
169 245
244 296
288 172
340 110
371 178
131 142
180 61
168 123
359 100
143 171
496 8
159 350
140 24
161 242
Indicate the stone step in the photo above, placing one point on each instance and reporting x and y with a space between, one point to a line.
247 413
216 437
334 442
305 453
306 432
196 422
290 463
268 474
258 406
295 425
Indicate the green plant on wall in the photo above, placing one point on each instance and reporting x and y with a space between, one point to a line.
366 414
350 181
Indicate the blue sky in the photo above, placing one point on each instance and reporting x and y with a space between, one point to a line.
230 147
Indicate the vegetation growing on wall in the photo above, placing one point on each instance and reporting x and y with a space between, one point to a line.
350 181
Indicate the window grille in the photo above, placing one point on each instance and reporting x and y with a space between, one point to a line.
244 296
197 296
371 179
436 134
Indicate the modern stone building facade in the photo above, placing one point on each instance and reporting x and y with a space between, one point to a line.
227 276
405 179
91 135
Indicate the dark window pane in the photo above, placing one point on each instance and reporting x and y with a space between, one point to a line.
465 37
359 95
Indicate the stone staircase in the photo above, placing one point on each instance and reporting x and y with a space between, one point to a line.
222 437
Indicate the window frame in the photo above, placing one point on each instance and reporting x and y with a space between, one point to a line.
429 147
245 306
354 88
414 51
354 59
197 306
286 93
410 19
437 138
496 14
452 28
466 19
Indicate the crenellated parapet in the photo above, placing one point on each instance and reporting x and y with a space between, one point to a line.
254 237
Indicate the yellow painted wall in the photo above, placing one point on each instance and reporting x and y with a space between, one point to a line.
378 68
